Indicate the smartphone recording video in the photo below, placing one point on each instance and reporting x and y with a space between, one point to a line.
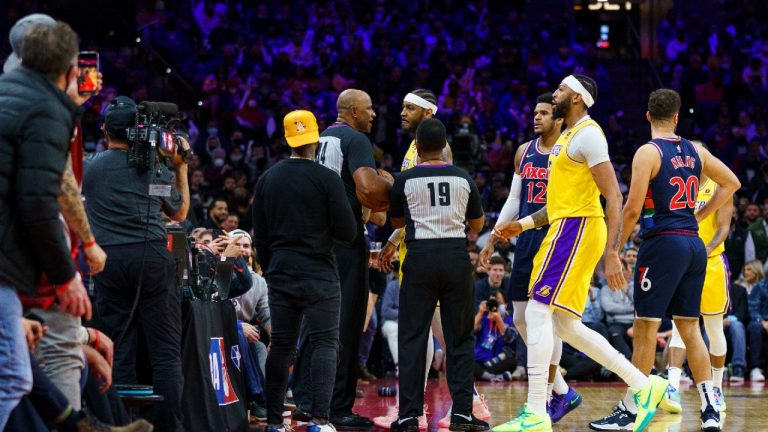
87 80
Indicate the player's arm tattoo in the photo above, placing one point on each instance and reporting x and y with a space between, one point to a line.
540 218
71 204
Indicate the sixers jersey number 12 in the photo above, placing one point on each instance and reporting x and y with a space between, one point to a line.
534 174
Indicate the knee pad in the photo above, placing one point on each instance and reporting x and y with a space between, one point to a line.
538 319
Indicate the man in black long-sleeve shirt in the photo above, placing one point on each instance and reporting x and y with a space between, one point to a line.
299 208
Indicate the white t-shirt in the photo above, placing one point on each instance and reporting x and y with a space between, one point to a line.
589 145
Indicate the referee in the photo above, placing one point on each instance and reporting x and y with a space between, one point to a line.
432 201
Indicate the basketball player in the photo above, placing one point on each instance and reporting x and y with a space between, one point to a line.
526 196
715 300
672 260
580 171
418 105
433 200
345 149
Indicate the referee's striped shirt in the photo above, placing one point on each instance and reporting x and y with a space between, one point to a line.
435 201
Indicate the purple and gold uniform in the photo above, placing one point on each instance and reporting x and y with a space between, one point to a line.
574 243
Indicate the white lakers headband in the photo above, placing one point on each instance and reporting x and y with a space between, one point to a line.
421 102
576 86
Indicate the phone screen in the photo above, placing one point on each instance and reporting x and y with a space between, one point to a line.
88 63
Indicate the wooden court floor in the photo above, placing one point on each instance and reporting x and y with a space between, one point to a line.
747 405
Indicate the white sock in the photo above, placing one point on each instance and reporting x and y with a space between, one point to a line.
538 319
717 377
674 376
706 393
629 401
588 341
560 386
550 386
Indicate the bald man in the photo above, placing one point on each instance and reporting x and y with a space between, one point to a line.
345 149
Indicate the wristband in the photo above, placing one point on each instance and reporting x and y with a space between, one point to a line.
527 223
89 244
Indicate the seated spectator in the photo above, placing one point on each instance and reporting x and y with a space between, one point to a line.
231 223
734 325
494 340
757 329
495 282
619 307
390 305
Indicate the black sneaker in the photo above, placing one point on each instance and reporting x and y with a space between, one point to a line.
710 419
405 424
460 422
351 421
619 420
737 375
301 415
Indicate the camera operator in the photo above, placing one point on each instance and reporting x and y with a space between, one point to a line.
124 204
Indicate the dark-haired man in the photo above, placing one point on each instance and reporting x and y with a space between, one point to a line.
672 260
432 201
217 213
527 195
36 126
127 222
580 172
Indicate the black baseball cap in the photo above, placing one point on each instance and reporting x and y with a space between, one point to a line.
119 116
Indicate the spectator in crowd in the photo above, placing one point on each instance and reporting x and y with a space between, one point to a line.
497 281
619 307
757 291
494 340
756 246
734 325
217 213
36 129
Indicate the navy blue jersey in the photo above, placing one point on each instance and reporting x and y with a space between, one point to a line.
534 173
671 198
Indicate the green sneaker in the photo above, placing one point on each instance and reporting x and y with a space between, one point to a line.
528 421
647 399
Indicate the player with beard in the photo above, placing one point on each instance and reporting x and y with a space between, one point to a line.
580 172
419 105
526 196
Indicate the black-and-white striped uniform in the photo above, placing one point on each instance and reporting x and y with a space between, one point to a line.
435 201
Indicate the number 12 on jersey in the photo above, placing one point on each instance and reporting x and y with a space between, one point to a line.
443 196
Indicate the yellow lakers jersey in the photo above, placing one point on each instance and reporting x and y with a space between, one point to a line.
708 226
571 190
409 160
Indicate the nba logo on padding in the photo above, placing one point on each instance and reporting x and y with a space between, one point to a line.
225 393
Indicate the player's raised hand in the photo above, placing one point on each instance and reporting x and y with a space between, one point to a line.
614 271
508 230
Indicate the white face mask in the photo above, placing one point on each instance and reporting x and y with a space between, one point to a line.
218 162
236 158
502 309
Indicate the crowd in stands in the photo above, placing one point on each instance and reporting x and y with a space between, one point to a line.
250 63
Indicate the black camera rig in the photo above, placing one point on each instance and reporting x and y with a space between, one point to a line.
154 137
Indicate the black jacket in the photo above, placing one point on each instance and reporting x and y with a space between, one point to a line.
36 124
